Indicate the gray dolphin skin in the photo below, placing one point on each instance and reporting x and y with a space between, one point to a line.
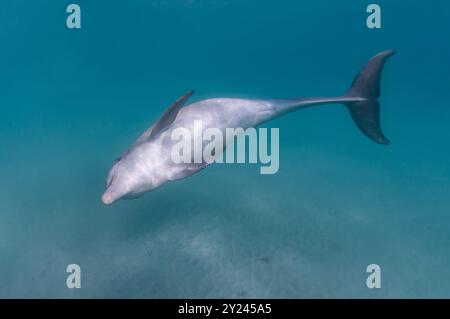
147 163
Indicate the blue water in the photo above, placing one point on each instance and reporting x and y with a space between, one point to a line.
73 100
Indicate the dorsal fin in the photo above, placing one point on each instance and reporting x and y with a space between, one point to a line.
169 115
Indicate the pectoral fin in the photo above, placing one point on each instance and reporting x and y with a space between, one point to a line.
186 171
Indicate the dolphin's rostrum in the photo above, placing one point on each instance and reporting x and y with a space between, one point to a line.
147 164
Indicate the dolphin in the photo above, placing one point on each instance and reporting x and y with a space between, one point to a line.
147 163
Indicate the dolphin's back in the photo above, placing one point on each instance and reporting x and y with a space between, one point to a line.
227 112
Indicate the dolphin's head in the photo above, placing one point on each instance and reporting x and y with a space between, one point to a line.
124 181
114 187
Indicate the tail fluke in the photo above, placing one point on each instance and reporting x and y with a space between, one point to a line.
366 86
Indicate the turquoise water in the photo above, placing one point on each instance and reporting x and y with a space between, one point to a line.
73 100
